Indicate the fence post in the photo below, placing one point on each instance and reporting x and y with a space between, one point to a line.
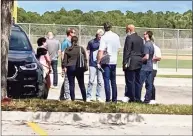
177 48
79 34
29 31
163 40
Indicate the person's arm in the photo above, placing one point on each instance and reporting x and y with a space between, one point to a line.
88 49
85 54
64 61
146 53
127 50
48 61
119 46
101 50
63 47
157 56
59 49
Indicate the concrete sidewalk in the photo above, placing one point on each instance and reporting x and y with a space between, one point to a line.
168 91
92 118
159 81
61 123
161 71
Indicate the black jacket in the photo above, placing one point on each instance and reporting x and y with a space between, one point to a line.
133 49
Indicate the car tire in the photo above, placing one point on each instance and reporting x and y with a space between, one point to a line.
42 90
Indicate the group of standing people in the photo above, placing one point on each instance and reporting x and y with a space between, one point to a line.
140 59
139 64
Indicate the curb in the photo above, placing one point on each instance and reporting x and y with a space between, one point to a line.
93 118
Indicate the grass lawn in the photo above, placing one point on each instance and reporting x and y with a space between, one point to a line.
175 76
164 63
94 107
171 63
180 51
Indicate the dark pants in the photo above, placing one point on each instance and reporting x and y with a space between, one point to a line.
54 64
110 75
154 73
132 89
72 73
146 77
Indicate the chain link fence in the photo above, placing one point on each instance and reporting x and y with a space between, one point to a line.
174 43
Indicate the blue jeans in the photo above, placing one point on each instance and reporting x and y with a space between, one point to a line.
93 71
72 73
110 75
133 85
65 92
54 64
146 77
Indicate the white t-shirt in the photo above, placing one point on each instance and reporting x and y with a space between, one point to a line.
157 53
110 42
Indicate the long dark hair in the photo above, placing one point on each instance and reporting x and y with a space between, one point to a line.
74 41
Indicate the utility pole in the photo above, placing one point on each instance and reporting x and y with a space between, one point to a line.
14 13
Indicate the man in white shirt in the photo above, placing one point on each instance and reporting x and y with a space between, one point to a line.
109 44
156 58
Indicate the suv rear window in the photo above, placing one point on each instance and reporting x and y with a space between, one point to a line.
18 41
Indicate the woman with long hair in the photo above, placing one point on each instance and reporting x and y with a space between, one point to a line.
75 64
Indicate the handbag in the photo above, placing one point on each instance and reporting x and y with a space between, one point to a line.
80 64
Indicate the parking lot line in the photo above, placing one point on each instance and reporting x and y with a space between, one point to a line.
37 129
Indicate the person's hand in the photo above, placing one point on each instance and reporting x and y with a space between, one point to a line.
65 70
50 70
123 67
62 73
98 66
154 59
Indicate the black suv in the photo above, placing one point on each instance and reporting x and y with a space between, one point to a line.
25 73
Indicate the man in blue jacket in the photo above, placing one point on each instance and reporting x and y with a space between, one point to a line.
92 50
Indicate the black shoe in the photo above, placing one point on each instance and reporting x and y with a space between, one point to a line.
131 100
62 98
138 101
146 101
114 102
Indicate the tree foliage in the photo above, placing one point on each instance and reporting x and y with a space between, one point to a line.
116 17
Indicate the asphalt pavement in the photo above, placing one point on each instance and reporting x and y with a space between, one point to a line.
168 90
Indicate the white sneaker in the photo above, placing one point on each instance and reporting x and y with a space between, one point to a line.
152 102
88 100
125 99
99 100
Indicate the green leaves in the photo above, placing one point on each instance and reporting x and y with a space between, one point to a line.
116 17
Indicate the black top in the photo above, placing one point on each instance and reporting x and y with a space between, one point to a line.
133 49
72 54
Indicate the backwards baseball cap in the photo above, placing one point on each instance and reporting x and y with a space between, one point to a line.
100 31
